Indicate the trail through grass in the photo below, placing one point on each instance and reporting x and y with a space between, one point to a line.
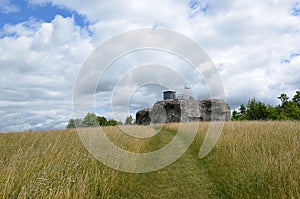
186 178
250 160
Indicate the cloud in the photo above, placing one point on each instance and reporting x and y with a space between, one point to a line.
7 7
38 67
253 45
296 9
26 28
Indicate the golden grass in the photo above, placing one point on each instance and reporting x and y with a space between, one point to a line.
50 165
257 160
250 160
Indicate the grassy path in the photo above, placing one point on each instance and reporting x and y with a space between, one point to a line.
186 178
250 160
56 165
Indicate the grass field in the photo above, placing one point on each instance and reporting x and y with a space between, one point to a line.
250 160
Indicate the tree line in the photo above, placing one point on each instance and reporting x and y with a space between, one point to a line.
253 110
93 120
256 110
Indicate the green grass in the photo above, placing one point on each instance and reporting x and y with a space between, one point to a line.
250 160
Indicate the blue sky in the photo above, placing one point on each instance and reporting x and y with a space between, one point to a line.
45 12
44 43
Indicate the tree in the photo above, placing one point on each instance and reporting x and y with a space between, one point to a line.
242 109
102 121
256 110
292 111
272 112
78 123
112 122
129 120
90 120
71 124
243 113
74 123
296 98
235 115
283 98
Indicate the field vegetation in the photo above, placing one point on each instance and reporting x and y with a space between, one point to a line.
250 160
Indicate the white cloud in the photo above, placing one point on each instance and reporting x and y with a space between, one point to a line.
38 71
7 7
246 40
26 28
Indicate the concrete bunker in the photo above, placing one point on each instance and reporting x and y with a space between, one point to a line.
183 109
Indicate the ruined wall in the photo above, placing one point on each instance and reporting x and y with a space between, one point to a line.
184 110
143 116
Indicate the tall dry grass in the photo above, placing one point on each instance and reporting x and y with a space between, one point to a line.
54 164
250 160
256 160
50 165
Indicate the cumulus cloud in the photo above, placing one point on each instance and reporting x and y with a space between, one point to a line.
253 45
37 73
26 28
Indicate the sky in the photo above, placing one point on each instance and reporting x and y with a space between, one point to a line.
44 44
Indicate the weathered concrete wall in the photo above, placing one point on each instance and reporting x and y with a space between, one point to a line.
166 111
183 110
143 117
